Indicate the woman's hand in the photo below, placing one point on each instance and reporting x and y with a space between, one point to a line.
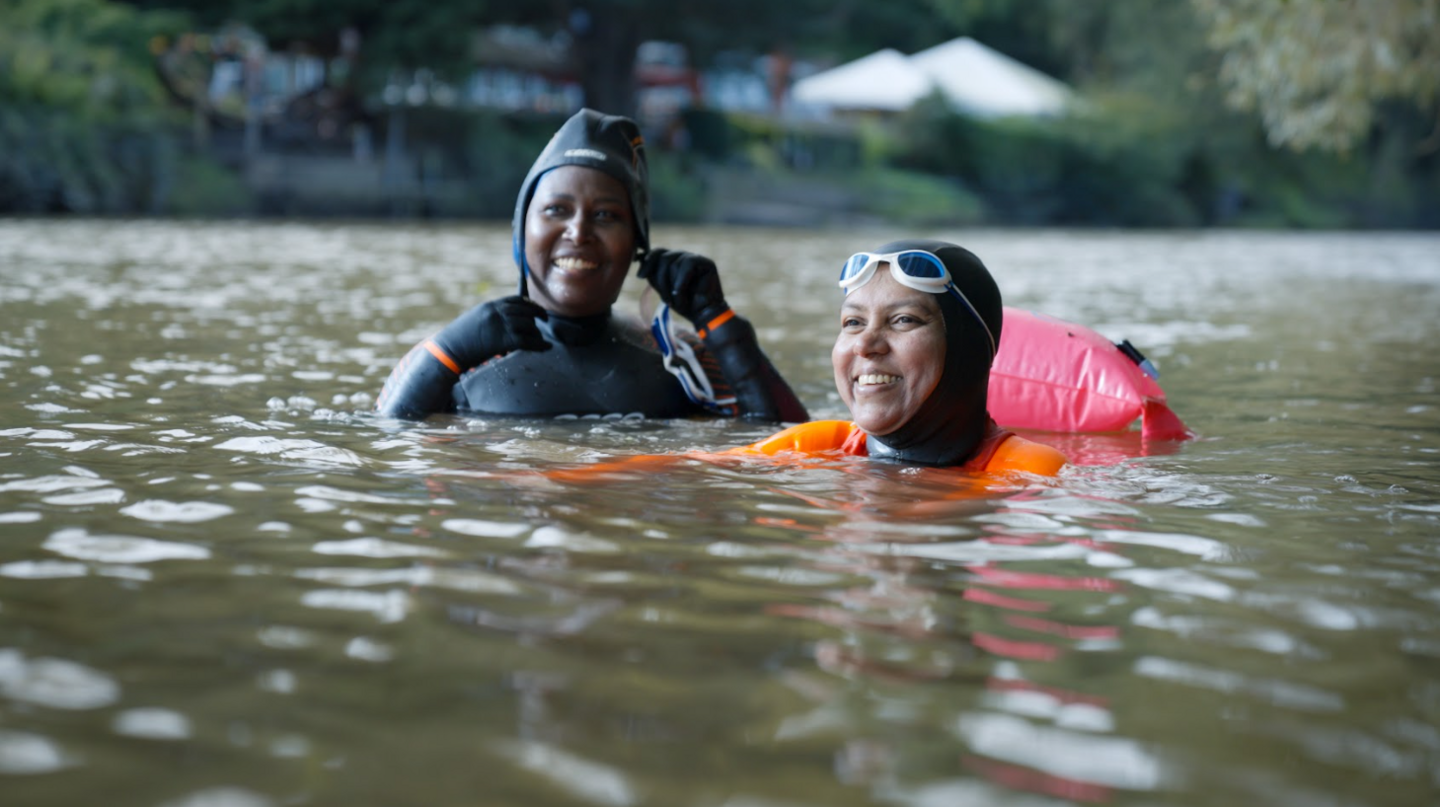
687 282
490 329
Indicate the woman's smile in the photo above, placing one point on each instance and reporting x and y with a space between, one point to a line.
890 352
579 241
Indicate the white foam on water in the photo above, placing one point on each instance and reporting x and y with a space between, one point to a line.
552 536
386 606
227 796
291 449
19 517
367 649
80 544
51 484
87 498
54 683
1082 756
376 548
182 512
43 569
471 580
24 753
152 723
226 380
485 529
583 778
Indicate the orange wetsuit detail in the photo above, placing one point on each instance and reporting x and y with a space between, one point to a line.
441 356
720 319
1000 451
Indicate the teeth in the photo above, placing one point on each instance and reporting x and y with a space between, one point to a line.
868 379
575 263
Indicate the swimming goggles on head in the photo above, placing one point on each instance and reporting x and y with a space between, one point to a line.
915 268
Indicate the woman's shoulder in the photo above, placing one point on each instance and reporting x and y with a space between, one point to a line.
814 437
1015 453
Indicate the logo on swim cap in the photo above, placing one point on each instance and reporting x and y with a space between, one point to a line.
589 153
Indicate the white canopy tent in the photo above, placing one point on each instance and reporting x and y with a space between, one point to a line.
986 83
885 80
975 79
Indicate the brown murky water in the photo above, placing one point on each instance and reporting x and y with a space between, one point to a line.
224 584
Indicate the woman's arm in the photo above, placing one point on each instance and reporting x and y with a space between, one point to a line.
421 382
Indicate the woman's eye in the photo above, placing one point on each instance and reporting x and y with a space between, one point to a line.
554 210
851 322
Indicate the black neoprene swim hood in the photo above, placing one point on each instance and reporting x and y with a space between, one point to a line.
951 422
607 143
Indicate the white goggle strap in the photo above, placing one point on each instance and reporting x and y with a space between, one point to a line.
680 360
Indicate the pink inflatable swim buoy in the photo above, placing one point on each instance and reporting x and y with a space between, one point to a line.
1057 376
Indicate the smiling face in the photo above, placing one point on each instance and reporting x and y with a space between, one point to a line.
579 241
890 352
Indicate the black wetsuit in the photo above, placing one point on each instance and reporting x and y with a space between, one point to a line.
601 365
598 366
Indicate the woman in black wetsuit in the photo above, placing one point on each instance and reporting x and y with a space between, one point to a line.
557 348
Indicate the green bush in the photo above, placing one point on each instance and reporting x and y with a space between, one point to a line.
676 195
1133 162
1085 169
84 125
55 160
204 188
907 197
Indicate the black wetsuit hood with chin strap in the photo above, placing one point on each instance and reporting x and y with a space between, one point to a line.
609 144
950 423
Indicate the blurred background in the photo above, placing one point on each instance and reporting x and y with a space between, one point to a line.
1129 113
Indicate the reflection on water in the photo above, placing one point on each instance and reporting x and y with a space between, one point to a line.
224 582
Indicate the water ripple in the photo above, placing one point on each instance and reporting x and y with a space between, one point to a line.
417 576
80 544
181 512
376 548
387 606
152 724
1077 756
56 683
22 752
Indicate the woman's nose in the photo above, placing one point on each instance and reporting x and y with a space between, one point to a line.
870 342
578 228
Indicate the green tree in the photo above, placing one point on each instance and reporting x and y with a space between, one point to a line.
403 34
83 122
1316 71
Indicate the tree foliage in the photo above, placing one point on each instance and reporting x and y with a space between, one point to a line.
1316 70
83 123
83 56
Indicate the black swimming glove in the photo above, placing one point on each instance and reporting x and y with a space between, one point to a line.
493 328
687 282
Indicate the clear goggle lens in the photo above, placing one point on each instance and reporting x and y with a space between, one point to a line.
917 269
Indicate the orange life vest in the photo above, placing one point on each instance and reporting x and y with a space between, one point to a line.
999 451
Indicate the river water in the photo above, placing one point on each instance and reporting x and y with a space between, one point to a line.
223 583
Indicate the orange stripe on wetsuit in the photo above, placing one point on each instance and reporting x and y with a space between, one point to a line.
719 319
441 356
